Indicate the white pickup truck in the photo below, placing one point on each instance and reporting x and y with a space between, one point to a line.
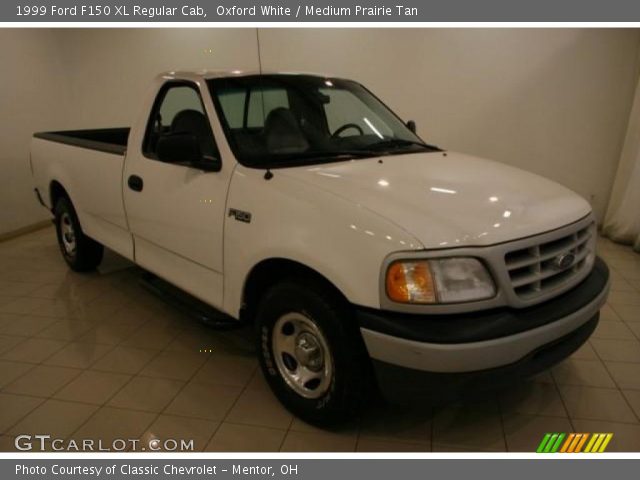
303 205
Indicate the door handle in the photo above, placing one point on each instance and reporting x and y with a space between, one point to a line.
135 183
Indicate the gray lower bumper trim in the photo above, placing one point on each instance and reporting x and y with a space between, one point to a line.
469 357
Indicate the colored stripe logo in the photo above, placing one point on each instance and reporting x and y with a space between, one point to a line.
574 443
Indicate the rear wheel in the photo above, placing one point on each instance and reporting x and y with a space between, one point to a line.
311 353
81 253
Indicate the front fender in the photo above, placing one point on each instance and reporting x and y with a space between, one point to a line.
344 242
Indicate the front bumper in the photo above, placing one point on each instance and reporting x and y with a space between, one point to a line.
412 353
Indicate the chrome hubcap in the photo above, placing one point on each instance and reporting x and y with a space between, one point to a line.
302 355
68 234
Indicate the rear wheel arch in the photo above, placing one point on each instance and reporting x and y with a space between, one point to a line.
56 192
79 251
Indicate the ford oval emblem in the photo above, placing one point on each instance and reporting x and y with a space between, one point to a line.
563 261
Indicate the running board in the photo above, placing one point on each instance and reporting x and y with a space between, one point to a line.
188 304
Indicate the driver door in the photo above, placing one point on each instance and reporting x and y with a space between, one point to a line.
176 212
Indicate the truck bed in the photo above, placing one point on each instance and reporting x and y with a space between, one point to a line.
109 140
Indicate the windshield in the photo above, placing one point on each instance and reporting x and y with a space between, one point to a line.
286 120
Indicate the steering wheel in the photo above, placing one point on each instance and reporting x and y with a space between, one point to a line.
347 126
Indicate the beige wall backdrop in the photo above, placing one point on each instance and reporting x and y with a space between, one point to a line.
555 102
110 70
33 92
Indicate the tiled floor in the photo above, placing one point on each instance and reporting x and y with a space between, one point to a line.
96 356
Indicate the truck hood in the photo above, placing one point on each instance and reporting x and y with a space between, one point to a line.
450 199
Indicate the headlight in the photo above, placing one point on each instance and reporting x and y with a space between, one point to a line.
443 280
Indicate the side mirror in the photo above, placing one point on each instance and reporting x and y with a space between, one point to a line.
411 125
184 149
208 164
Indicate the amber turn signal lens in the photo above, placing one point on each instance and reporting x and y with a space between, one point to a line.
410 282
397 283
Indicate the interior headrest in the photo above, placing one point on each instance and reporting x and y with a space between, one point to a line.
196 123
283 133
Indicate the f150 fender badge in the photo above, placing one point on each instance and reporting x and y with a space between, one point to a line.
240 215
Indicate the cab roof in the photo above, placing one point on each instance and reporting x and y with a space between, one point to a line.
210 74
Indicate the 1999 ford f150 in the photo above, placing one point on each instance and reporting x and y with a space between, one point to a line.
303 205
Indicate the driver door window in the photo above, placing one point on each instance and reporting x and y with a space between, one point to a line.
179 109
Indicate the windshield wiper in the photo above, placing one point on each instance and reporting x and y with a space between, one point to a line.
336 155
304 158
351 153
401 142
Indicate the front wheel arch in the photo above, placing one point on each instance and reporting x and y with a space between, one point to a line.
270 271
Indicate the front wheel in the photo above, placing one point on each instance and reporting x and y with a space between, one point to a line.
81 253
311 352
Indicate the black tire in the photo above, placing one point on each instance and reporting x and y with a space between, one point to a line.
87 253
342 396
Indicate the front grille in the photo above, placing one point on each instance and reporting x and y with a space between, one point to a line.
534 270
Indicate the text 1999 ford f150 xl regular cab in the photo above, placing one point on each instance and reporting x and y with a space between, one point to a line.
303 205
